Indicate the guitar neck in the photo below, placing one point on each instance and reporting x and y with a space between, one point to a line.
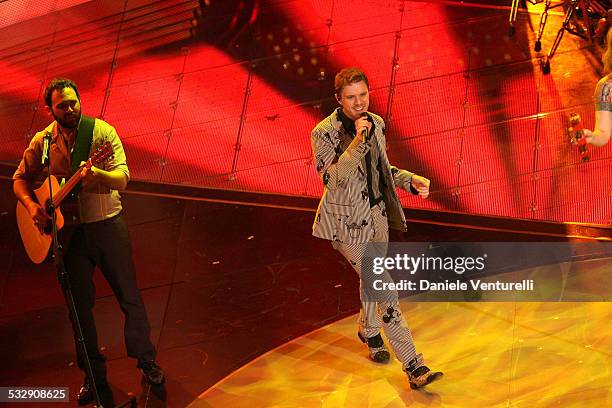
100 155
67 188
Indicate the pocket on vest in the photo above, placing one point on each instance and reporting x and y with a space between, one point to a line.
340 209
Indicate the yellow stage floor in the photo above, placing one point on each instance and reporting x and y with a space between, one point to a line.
507 354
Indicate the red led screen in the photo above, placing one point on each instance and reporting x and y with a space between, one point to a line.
224 94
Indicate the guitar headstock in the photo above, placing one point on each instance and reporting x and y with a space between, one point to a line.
102 154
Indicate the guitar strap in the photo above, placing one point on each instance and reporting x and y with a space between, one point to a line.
82 146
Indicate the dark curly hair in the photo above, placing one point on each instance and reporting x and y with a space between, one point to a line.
57 84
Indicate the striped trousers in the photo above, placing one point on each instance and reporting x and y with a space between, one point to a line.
380 309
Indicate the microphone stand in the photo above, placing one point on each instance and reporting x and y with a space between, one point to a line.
62 276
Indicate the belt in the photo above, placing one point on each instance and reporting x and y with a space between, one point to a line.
105 221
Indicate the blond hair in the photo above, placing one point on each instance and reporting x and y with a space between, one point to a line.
607 56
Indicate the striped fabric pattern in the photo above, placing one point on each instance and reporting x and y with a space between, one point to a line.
344 210
380 309
345 217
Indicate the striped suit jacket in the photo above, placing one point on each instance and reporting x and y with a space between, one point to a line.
344 210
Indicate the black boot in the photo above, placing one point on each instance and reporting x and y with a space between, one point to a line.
86 394
152 373
376 345
422 376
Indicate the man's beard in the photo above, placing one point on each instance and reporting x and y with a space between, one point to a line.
68 124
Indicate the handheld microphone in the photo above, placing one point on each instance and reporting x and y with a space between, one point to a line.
365 133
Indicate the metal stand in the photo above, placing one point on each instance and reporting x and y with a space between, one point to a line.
63 279
514 11
571 24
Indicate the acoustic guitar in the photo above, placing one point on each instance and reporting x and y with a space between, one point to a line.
37 243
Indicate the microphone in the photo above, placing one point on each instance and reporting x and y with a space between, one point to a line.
46 146
365 133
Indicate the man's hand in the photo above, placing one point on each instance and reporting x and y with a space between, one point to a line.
362 124
89 175
39 215
114 179
421 185
23 191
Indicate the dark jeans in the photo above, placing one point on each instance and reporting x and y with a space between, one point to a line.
106 244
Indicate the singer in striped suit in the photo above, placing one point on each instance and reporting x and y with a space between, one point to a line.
358 206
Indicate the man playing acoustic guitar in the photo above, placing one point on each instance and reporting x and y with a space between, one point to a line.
100 238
